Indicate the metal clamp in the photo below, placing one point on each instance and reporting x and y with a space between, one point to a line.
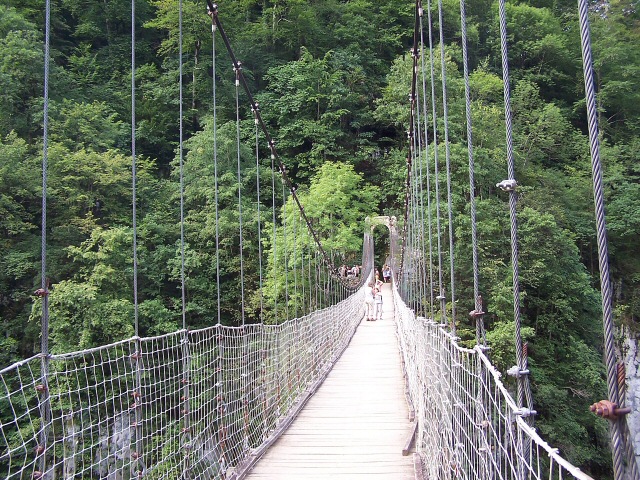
516 372
507 185
525 412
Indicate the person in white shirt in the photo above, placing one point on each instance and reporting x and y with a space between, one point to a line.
368 302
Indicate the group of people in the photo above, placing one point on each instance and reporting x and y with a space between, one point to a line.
373 299
349 272
386 273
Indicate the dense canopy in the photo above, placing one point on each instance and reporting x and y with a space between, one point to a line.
332 80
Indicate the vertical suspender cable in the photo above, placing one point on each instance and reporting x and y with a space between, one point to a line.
43 292
245 345
417 233
295 261
237 72
423 250
180 148
524 388
259 219
274 241
426 142
285 253
302 279
620 442
404 257
448 165
133 163
185 337
311 308
138 378
219 374
441 297
215 163
480 332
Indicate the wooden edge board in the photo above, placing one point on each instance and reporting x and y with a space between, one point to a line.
410 440
417 467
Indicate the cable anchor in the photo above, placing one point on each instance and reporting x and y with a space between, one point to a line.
609 410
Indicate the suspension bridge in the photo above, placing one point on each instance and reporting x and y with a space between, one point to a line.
324 394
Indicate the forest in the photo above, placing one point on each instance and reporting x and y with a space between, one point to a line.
332 79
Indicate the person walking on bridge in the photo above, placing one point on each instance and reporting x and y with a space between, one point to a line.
368 302
378 302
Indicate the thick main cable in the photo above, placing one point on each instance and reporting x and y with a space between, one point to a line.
213 13
619 434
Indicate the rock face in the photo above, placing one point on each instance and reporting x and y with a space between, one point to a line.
632 364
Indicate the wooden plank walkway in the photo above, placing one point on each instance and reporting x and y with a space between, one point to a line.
356 424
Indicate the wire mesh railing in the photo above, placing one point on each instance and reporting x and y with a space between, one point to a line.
469 426
190 404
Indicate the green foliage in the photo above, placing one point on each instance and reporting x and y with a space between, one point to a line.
336 203
332 79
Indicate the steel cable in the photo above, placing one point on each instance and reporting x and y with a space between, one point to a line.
480 331
441 295
619 434
43 293
259 228
215 164
524 388
241 239
445 120
423 73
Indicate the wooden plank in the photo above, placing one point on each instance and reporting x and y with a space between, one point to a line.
356 424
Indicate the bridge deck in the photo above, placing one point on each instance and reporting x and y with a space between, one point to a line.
356 424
